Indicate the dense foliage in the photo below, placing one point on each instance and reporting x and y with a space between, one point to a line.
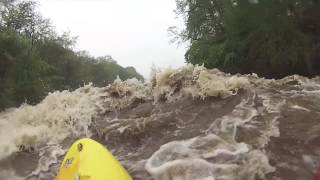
273 38
34 60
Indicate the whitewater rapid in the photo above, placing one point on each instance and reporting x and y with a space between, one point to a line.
189 123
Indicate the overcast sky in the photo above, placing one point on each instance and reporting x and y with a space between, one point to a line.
133 32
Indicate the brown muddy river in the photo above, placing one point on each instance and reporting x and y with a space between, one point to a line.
185 124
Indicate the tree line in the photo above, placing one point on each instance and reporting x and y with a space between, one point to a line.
35 59
273 38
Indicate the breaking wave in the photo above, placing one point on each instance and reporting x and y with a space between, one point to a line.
189 123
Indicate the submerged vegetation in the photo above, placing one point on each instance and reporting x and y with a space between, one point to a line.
273 38
35 60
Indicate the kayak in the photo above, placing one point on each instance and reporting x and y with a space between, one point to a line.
89 160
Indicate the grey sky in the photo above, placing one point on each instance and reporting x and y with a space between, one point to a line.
133 32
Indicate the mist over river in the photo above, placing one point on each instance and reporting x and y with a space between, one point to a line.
184 124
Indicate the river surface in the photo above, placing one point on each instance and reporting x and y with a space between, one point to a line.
184 124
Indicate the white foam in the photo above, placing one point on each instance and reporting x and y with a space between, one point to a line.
215 156
48 156
300 108
58 116
208 157
196 81
64 114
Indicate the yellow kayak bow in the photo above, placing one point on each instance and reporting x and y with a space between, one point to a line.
89 160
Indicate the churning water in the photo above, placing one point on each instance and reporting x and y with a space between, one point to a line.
185 124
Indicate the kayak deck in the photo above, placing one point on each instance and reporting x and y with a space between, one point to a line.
89 160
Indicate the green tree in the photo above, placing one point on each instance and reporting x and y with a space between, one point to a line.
35 60
21 72
273 38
